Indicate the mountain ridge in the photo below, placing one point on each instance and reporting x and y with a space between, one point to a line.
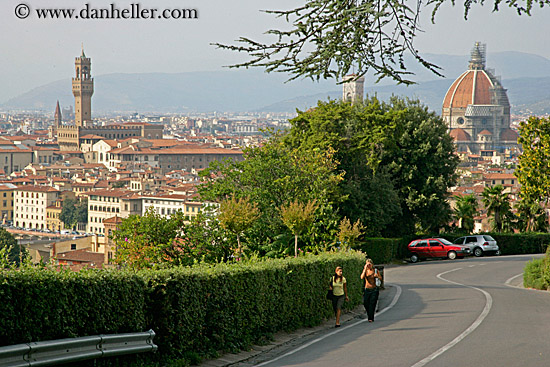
527 80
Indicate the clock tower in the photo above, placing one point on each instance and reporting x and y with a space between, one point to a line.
83 88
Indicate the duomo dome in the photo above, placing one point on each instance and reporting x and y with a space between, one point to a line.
477 110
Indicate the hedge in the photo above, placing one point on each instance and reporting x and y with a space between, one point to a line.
381 250
196 311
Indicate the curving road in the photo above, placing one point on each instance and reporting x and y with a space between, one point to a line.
444 313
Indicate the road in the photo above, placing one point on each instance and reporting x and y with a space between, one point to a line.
445 313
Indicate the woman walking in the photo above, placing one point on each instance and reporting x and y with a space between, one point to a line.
370 294
339 291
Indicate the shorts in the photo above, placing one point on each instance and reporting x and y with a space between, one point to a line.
338 302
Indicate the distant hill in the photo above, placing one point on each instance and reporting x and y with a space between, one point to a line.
526 76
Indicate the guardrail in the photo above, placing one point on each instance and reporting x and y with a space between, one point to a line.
52 352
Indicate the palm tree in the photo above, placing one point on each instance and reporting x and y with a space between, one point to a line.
465 211
531 216
497 202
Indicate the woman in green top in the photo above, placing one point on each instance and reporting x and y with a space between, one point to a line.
339 291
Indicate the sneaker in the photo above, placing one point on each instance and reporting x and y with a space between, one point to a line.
337 325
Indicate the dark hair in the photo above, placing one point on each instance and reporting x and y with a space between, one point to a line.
336 276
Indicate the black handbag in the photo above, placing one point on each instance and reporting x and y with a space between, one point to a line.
330 294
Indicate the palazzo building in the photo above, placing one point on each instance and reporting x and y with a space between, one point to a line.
70 137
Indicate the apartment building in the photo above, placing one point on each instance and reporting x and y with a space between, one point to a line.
168 204
30 205
107 203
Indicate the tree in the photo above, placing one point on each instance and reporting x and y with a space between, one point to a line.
16 253
531 216
74 211
332 37
148 240
236 215
496 202
465 210
397 157
270 176
348 233
533 171
298 217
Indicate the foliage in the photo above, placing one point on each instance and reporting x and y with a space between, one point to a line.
348 234
237 215
533 171
331 38
298 217
42 304
148 240
537 273
497 202
74 211
11 252
195 311
531 216
271 176
465 211
397 157
380 250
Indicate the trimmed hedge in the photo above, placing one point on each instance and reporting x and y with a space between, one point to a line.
381 250
195 312
40 304
230 307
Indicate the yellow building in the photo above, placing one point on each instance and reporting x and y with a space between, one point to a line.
53 212
6 202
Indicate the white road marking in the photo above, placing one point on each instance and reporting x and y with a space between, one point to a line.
465 333
512 279
336 331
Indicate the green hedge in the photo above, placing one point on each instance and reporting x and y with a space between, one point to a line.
381 250
47 305
230 307
195 312
524 243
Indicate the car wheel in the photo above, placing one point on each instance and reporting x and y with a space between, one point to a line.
478 252
451 255
414 258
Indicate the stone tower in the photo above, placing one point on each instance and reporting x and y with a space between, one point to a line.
57 118
83 88
353 88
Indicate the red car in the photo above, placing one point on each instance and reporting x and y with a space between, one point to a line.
436 247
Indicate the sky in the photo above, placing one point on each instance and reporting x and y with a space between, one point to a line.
39 51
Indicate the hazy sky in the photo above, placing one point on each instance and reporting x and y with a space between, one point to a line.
37 51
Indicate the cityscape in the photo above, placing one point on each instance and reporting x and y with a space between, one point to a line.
338 197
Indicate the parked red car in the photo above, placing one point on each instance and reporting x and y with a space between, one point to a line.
436 248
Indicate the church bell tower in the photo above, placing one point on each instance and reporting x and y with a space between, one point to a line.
352 88
83 88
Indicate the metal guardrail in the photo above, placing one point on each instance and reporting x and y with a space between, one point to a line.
50 353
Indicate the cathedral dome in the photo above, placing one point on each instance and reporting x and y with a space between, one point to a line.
460 135
476 86
509 135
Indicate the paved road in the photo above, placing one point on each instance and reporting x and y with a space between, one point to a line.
446 313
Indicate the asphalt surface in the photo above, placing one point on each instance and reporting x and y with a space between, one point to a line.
471 312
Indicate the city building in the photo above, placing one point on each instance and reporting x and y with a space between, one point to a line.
30 205
477 111
83 131
352 88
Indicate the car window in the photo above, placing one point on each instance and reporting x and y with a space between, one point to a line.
460 240
488 238
434 243
422 244
471 239
445 242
